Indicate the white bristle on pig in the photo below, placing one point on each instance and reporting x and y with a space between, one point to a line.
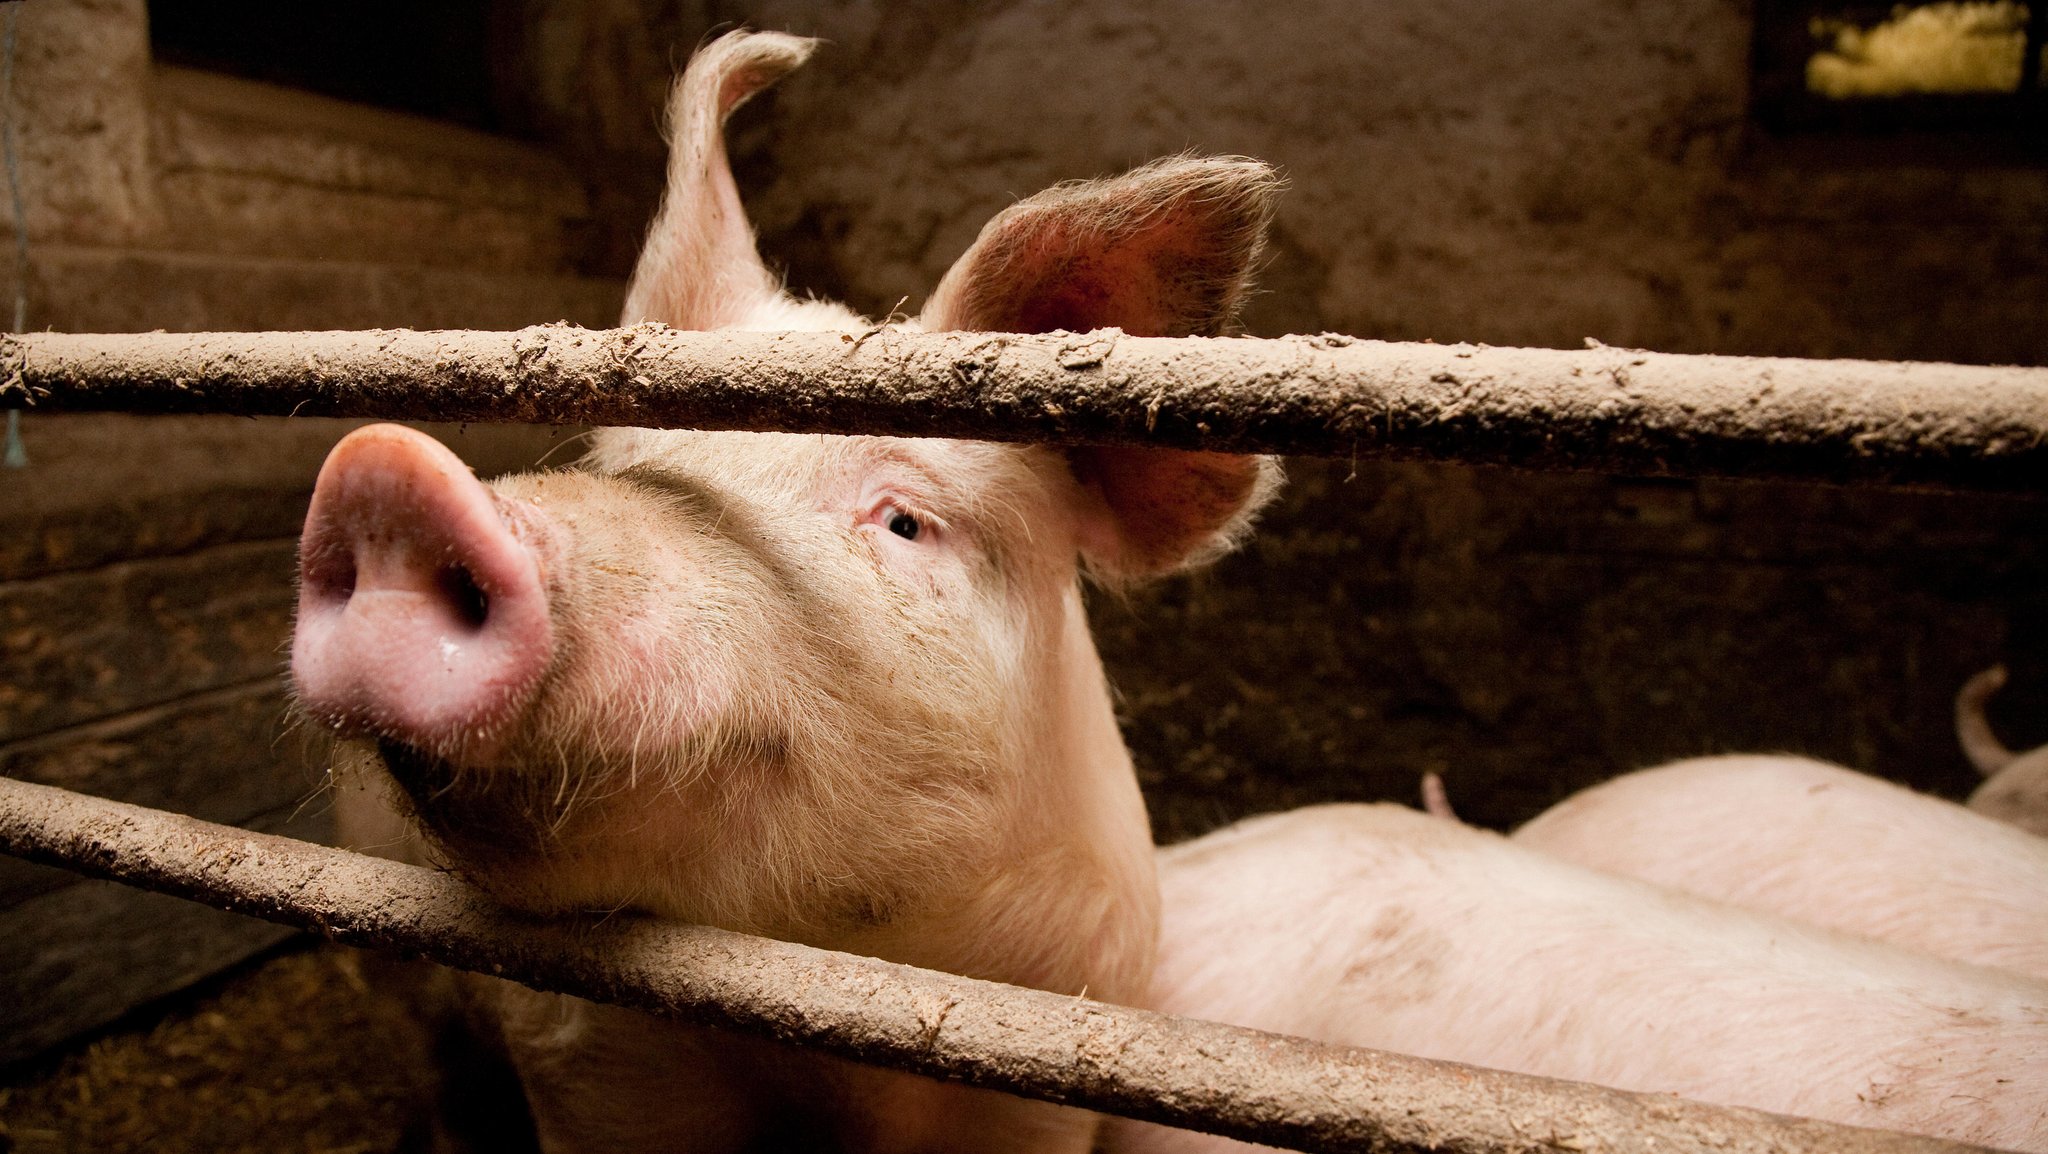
833 689
1383 927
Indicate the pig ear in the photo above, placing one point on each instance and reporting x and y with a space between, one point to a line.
1163 251
1167 250
699 268
1154 511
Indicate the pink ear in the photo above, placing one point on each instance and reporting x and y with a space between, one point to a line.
1166 509
699 268
1166 250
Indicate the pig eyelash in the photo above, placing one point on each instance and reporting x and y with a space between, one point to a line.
902 519
902 523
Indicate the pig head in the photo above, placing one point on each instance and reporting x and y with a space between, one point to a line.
835 689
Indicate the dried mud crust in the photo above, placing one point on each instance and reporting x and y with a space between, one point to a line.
1593 409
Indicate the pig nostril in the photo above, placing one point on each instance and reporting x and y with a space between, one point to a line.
331 576
343 581
470 603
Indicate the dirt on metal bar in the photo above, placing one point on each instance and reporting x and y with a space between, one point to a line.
1599 408
1200 1075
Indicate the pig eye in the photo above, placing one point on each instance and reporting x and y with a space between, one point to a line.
903 520
903 524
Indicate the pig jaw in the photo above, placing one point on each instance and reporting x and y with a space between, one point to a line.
1076 906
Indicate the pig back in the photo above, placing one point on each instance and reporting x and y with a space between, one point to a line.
1380 927
1820 844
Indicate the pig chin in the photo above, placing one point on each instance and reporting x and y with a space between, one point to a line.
481 817
549 829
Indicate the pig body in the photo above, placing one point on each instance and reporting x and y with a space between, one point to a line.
2015 789
837 690
1379 926
1821 844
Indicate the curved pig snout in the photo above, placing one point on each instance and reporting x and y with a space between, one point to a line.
423 611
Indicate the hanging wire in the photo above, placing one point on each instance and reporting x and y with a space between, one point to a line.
15 454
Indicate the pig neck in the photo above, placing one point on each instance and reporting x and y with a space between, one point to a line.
1074 906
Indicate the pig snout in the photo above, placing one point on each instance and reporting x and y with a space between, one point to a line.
423 609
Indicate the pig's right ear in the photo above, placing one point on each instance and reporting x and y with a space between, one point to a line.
699 268
1164 251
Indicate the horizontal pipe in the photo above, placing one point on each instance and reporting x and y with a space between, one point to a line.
1602 409
1182 1072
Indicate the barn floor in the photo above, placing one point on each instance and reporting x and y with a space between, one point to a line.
293 1052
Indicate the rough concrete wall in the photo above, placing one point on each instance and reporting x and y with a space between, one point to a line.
1495 172
80 89
1528 635
1487 171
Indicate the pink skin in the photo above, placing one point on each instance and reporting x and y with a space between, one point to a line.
1379 926
423 607
1819 843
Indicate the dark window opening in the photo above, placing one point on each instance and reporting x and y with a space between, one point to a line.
444 60
1976 67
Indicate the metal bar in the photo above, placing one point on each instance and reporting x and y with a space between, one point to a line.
1603 409
1178 1071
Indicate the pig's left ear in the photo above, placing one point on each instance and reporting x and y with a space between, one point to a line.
1165 251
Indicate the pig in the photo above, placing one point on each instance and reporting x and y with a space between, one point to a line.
833 689
1379 926
2015 788
1821 844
